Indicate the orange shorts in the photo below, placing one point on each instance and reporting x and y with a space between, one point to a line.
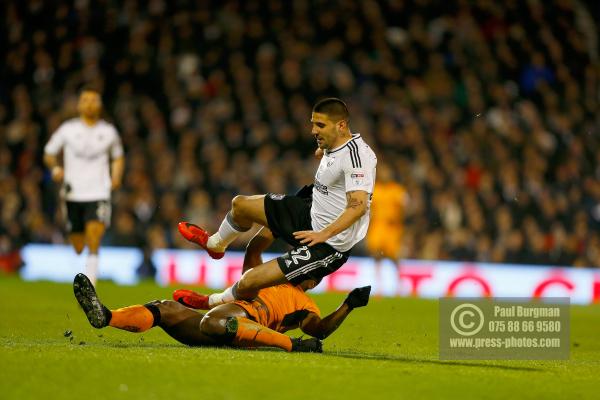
256 311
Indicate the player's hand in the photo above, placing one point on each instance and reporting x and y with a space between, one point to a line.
58 174
115 185
319 153
358 297
310 238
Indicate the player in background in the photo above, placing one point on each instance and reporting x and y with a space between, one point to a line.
93 165
384 238
322 232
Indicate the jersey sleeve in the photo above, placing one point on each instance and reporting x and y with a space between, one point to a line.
56 142
116 148
358 174
309 305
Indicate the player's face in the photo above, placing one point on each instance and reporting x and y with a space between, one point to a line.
90 104
325 131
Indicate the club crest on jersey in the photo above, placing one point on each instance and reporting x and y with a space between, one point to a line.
331 161
321 188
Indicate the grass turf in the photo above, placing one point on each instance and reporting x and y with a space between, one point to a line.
388 349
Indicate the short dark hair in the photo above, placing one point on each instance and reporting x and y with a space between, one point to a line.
332 107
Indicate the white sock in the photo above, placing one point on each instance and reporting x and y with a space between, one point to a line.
224 297
227 233
91 267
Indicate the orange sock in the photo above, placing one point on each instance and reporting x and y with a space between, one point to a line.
133 318
251 334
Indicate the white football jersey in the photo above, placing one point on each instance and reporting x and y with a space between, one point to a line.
349 167
87 153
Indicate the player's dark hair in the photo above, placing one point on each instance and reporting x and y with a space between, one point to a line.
333 107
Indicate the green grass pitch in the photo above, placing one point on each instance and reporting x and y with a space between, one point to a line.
386 350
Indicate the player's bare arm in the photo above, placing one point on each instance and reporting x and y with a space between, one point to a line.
117 167
356 207
313 325
56 170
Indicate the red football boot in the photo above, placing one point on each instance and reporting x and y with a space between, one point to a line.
191 299
195 234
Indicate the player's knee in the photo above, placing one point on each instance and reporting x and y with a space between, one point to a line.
238 204
247 286
238 201
240 211
211 325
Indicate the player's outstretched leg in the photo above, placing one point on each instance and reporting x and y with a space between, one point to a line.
181 323
98 315
230 323
250 334
247 288
136 318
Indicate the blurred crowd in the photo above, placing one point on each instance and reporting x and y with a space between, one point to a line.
486 111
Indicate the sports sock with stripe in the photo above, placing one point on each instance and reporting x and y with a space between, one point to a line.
226 296
227 233
136 318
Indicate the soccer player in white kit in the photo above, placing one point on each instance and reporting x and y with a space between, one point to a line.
322 232
88 176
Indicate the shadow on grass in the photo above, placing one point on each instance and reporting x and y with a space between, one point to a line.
338 354
387 357
129 345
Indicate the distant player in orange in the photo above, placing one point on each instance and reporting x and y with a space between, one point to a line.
246 324
384 238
